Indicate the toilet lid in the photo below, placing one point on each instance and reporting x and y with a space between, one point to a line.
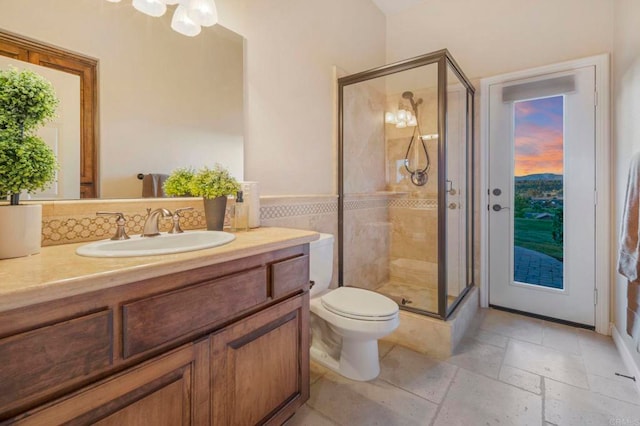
360 304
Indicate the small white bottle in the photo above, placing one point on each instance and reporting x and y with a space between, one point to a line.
251 197
240 215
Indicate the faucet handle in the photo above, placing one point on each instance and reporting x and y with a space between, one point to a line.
183 209
176 229
120 234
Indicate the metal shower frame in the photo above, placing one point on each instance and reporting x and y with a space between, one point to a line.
442 58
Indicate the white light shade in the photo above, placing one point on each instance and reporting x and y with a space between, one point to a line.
412 122
390 118
203 12
401 124
182 24
150 7
401 115
170 2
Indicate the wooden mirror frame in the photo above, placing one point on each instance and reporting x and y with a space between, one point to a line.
28 50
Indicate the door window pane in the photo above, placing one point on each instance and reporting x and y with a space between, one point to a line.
539 192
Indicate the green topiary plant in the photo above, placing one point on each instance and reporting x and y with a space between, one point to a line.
206 182
178 182
212 183
27 101
26 165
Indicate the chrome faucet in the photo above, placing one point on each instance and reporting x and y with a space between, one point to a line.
151 224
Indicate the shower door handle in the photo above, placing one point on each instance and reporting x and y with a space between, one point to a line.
453 206
450 189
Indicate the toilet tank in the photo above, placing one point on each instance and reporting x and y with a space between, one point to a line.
321 262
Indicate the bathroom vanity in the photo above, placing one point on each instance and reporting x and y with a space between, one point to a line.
218 336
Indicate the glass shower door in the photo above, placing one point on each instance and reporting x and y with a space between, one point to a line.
458 200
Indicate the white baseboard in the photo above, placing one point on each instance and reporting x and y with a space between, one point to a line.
633 368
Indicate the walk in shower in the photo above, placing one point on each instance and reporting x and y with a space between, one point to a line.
405 212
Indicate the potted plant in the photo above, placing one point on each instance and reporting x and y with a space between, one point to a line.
27 101
212 184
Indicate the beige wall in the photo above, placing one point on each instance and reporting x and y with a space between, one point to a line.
626 96
292 46
165 100
490 37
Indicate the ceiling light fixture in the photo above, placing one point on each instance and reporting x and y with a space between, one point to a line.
202 12
183 24
153 8
188 17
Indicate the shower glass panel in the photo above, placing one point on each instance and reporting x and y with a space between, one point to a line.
391 186
405 183
458 198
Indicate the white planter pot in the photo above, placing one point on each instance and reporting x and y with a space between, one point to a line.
20 230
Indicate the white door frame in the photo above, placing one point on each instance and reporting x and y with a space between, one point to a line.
601 198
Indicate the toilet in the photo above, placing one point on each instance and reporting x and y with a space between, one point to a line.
346 322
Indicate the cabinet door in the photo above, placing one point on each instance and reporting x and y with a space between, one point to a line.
168 390
260 366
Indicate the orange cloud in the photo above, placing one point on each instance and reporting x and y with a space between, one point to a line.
539 136
538 149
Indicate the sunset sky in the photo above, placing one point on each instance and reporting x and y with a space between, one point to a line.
539 136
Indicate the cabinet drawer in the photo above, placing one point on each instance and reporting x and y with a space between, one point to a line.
39 360
151 322
289 276
163 391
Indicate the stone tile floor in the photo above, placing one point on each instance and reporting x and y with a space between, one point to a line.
511 370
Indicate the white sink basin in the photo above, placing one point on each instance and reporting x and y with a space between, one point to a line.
162 244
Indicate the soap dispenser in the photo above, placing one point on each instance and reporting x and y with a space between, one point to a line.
240 215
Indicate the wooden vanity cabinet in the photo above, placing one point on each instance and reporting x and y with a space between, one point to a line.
251 382
221 345
168 390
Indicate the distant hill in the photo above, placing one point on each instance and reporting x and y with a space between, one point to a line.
538 176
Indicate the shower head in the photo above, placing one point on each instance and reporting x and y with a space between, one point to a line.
414 104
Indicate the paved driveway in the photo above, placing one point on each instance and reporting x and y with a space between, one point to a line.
533 267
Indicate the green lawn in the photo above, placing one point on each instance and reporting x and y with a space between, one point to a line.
535 234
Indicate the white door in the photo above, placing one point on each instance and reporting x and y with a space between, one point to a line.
542 195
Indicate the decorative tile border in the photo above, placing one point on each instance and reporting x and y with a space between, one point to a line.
75 229
374 203
67 222
288 210
414 203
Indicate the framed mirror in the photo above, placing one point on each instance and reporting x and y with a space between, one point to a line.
160 100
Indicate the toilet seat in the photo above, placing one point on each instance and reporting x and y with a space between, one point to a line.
359 304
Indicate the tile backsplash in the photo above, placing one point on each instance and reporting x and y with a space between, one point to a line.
65 222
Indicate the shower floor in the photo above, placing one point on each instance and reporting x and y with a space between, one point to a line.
420 297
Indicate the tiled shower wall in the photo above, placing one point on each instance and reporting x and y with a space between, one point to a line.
390 225
366 240
413 252
414 242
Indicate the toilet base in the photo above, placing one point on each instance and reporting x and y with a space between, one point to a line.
358 359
